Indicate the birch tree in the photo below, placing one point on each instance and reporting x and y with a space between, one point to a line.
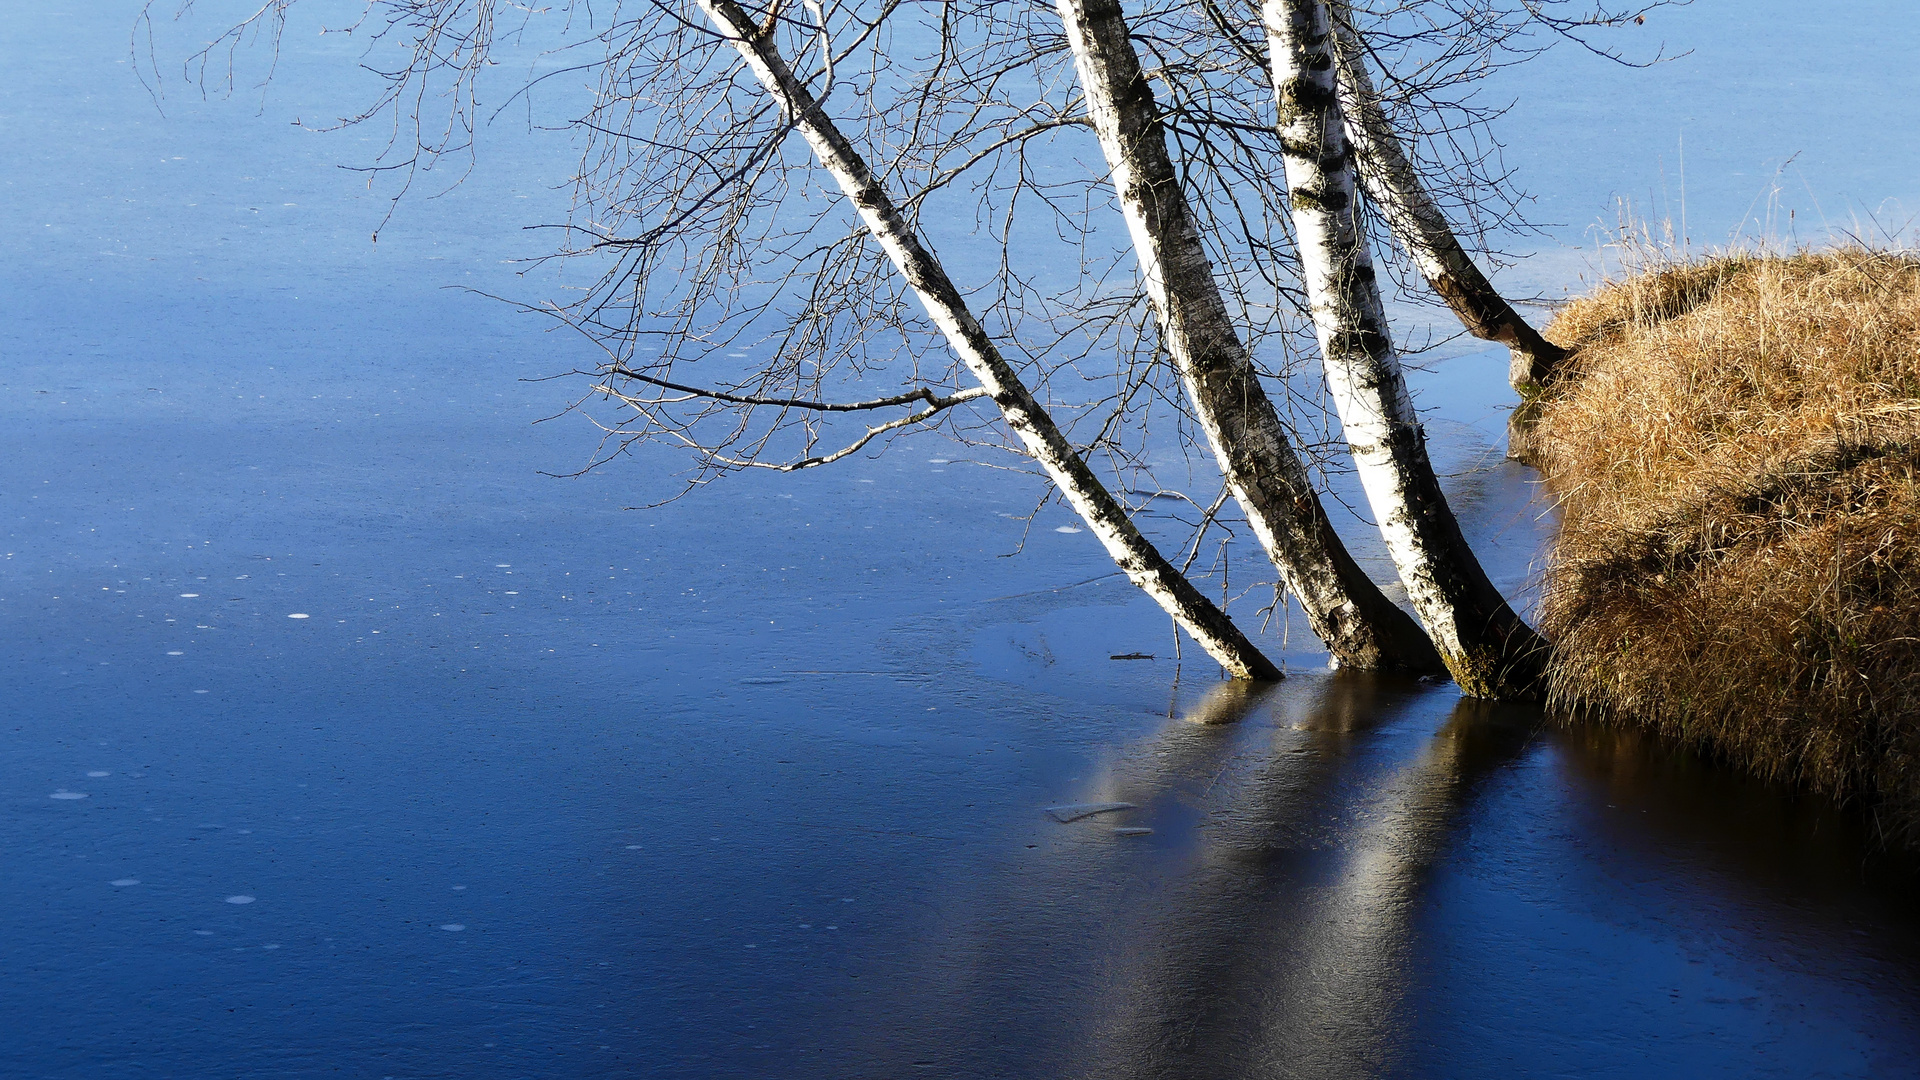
1488 648
1345 608
1418 224
1144 565
713 237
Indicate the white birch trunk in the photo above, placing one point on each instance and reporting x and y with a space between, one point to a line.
1345 608
1131 551
1490 650
1420 226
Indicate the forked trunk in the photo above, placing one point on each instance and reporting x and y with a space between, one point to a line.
1420 226
1489 649
1104 515
1345 608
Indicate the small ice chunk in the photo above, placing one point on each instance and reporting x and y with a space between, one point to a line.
1076 811
242 899
635 847
455 927
63 793
501 565
1069 529
189 596
200 691
1133 830
97 773
298 615
176 652
122 883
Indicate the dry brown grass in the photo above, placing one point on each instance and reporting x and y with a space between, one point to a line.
1736 447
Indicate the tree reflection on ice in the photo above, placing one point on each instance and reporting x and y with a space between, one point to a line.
1295 836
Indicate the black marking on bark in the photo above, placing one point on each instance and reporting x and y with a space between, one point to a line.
1331 202
1368 340
1305 94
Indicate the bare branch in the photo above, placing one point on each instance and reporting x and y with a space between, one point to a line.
922 394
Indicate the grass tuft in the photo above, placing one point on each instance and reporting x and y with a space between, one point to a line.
1735 446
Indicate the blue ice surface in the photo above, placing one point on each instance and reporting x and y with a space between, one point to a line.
755 784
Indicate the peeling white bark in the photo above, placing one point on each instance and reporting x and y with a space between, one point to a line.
1394 186
1490 650
1105 517
1345 608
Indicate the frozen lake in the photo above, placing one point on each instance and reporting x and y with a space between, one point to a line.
341 740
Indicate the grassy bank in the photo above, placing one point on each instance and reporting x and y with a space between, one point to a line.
1736 447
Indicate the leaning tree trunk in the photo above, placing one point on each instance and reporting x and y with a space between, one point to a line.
1345 608
1489 649
1420 226
1104 515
